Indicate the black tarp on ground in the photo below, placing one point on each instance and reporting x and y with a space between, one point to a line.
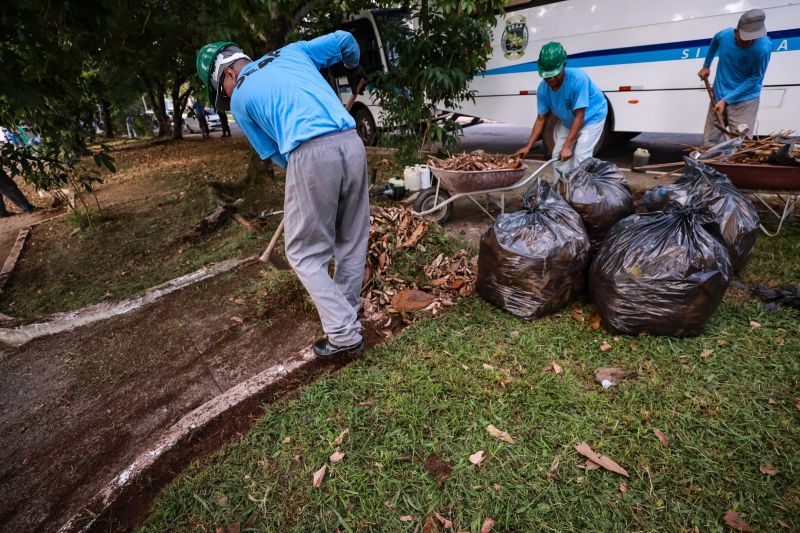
662 273
532 262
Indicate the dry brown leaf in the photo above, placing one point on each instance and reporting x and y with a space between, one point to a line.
605 347
319 475
721 342
445 522
237 319
336 457
734 521
577 313
477 458
487 366
591 465
487 526
436 467
554 367
634 346
623 487
661 437
340 438
769 470
502 435
780 341
772 401
554 464
514 333
706 353
594 320
612 374
407 518
754 324
412 300
585 450
465 367
286 440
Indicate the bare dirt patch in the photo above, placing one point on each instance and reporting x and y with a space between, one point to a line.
78 407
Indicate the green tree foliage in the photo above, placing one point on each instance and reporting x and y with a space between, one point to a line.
434 60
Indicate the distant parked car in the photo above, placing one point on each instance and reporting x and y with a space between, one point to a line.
190 122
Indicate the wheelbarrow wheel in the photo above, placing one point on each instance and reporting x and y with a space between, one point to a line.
426 200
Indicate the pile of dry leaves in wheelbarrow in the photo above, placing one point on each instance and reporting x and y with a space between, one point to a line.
388 297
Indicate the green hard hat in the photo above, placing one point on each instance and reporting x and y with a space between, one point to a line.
205 63
552 59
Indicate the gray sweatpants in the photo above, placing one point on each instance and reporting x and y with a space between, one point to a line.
740 113
327 215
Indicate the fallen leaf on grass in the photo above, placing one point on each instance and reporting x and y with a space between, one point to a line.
407 518
589 465
706 353
412 300
487 526
769 470
780 342
340 438
734 521
610 375
336 457
487 366
477 458
465 367
235 528
446 523
754 325
554 367
440 470
721 342
514 333
661 437
577 313
237 319
605 347
555 463
585 450
319 475
594 320
623 487
286 440
502 435
797 404
634 346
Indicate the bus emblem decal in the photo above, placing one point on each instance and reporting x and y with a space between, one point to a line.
515 37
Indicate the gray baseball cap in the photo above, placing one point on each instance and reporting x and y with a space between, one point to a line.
751 25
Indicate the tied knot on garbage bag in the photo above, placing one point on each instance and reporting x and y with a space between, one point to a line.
662 273
531 263
733 214
598 191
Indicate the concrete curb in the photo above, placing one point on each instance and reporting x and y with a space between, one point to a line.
60 322
180 433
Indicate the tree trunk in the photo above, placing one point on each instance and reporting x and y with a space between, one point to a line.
177 108
155 94
106 109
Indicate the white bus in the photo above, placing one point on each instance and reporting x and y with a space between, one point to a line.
644 55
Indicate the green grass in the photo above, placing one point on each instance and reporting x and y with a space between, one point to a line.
426 393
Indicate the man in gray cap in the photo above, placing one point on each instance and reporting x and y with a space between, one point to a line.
743 58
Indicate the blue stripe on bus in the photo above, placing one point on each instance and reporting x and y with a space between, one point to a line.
648 53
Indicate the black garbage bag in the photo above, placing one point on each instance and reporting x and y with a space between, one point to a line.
735 217
598 191
532 262
662 273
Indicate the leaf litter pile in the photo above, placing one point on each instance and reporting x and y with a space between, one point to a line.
474 161
394 231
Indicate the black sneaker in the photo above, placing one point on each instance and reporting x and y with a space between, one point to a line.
326 350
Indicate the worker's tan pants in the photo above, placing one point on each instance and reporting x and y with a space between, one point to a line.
738 115
588 138
326 208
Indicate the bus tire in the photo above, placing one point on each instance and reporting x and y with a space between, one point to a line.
552 124
365 127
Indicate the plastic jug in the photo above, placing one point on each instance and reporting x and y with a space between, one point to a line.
424 176
412 179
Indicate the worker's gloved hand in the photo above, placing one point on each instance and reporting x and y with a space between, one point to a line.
354 77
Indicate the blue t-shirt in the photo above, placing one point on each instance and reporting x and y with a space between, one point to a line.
740 71
577 91
282 100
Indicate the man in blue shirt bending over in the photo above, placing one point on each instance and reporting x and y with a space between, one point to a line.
572 96
743 58
291 115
